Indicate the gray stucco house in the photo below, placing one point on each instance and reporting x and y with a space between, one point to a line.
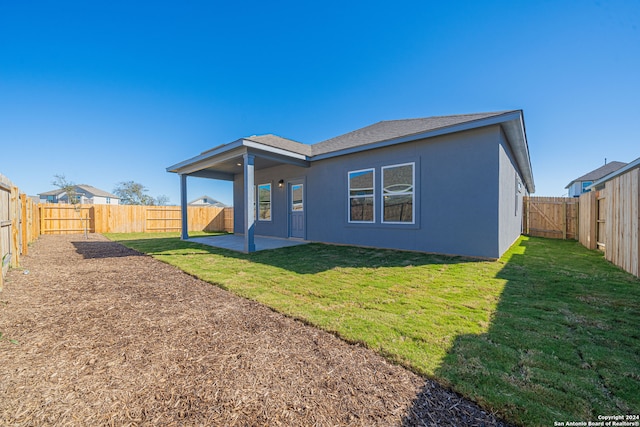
448 184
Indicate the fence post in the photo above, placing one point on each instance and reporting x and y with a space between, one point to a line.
15 227
564 220
578 220
1 263
43 230
37 231
25 225
528 212
92 219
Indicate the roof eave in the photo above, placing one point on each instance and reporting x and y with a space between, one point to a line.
422 135
231 150
51 193
274 150
512 123
179 168
514 129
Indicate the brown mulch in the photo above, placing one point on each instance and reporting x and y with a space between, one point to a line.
98 334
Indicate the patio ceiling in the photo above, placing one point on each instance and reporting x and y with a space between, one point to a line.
225 161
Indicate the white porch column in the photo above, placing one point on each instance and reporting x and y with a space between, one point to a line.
184 232
249 202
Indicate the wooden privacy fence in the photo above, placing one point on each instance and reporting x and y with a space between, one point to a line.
607 219
70 219
17 225
554 217
610 220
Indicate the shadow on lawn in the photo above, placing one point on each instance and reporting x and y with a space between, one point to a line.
563 344
310 258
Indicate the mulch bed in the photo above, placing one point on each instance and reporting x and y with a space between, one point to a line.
98 334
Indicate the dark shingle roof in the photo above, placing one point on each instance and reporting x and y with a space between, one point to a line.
283 143
599 173
385 133
390 129
378 132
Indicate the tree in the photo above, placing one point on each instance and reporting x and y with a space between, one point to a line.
133 193
162 200
68 187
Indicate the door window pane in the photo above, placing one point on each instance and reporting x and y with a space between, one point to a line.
297 203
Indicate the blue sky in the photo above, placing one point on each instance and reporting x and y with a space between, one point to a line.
105 92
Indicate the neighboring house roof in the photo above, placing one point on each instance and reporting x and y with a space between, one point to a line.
210 201
598 173
381 134
85 188
624 169
96 191
51 193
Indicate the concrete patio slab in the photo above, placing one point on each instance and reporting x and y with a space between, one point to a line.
235 242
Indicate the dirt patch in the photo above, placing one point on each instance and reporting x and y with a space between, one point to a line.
97 334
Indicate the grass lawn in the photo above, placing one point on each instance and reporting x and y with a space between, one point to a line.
550 332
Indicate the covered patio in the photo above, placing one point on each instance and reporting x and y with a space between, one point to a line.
242 157
236 242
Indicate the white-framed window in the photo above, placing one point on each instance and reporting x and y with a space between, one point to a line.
362 195
264 202
398 193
